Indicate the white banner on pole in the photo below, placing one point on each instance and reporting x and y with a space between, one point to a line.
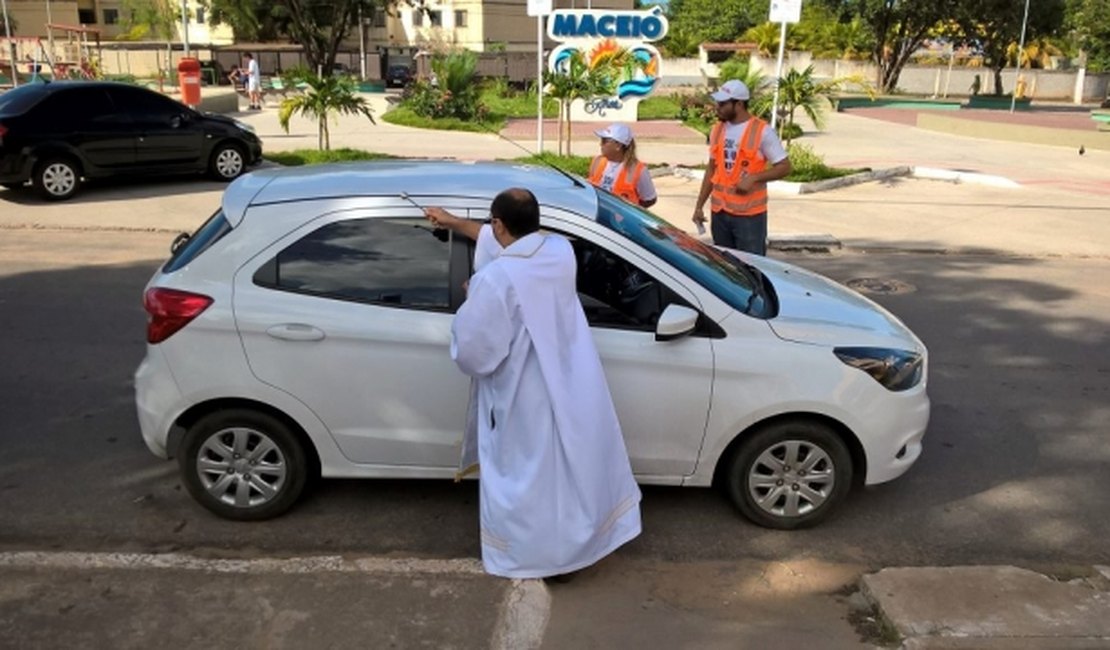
785 11
538 8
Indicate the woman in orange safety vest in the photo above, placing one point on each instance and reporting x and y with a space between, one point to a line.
617 169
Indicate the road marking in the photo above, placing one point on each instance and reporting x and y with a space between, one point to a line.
312 564
523 617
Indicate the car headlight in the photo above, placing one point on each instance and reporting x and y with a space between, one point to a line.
243 125
895 369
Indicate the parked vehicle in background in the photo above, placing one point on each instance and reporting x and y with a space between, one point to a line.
57 134
398 75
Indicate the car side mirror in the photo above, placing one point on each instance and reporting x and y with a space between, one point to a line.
675 322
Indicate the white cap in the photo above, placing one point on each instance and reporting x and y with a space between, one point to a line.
732 90
618 132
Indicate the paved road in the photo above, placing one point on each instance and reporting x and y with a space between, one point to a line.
1013 469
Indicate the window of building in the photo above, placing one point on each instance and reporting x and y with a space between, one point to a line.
86 16
435 18
111 16
200 15
418 18
460 18
395 262
379 17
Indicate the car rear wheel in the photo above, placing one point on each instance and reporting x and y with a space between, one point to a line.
789 474
228 162
56 179
243 465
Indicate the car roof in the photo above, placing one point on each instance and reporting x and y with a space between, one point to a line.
416 178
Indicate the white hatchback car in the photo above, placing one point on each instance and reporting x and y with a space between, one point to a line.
304 330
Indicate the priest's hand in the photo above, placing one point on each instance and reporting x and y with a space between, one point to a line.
441 218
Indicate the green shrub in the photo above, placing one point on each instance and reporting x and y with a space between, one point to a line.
790 131
316 157
808 166
405 116
660 108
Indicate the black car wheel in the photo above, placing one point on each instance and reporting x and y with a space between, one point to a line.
228 162
790 474
56 179
243 464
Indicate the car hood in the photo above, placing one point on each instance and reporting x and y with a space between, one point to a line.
814 309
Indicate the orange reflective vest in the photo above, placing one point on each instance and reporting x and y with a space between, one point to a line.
624 185
749 160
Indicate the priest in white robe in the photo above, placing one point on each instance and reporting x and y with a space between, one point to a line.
556 488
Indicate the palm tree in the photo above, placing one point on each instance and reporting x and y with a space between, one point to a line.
578 78
802 90
323 97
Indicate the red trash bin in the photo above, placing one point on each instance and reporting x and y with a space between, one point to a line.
188 77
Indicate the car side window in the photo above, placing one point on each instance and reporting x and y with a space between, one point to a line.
145 106
395 262
615 293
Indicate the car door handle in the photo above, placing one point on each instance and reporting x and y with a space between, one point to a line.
296 332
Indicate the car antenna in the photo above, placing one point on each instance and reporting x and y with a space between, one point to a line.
542 158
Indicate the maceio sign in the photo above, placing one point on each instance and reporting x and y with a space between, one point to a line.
632 25
599 33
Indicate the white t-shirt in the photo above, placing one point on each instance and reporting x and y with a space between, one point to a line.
644 187
254 75
770 147
487 248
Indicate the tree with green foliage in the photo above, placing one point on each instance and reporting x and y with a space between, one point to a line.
153 20
715 21
996 26
319 26
1089 23
897 29
323 98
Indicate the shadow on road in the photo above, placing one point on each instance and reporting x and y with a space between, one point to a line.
1014 467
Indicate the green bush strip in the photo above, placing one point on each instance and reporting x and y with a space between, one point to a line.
807 165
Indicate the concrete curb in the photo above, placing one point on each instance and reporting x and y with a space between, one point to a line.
993 607
933 173
790 188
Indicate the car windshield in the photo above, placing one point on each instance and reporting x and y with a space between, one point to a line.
17 100
724 275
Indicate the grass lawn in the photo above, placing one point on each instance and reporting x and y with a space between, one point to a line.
807 166
315 157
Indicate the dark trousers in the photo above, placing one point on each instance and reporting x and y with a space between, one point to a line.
748 233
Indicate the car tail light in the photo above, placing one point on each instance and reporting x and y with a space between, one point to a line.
169 310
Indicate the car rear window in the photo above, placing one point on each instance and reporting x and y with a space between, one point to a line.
17 100
211 232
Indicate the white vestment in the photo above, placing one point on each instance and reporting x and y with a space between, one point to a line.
557 492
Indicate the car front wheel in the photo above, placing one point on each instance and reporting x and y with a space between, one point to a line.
789 474
228 162
243 464
56 179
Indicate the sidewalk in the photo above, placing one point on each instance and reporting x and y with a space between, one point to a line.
74 600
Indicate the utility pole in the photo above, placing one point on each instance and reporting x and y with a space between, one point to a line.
1021 50
185 25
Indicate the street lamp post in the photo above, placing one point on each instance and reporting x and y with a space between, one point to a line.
11 43
1021 50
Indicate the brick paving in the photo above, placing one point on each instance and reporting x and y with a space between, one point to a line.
668 130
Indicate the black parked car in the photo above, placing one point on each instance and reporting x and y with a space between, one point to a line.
398 75
56 134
